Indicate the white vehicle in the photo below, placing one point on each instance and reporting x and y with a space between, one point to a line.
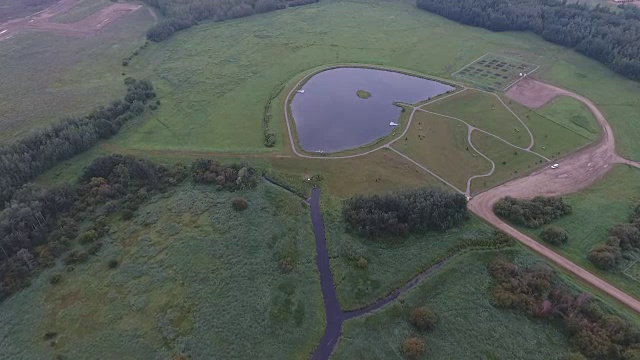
555 166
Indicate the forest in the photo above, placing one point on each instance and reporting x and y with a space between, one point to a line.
27 158
610 37
402 213
182 14
538 290
40 225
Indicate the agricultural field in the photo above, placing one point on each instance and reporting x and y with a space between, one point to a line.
494 72
193 276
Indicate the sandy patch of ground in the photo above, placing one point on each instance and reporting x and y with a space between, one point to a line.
89 26
533 94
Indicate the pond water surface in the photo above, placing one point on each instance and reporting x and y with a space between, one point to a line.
330 116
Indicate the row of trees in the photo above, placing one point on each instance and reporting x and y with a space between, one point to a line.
402 213
40 224
182 14
29 157
594 332
622 237
229 177
532 213
600 33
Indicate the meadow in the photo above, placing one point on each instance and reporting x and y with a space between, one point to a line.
194 277
470 327
390 262
215 92
595 210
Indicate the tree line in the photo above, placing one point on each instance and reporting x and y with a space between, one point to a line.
29 157
600 33
40 224
531 213
594 332
182 14
402 213
622 238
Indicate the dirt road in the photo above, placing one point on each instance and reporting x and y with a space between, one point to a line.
576 172
42 21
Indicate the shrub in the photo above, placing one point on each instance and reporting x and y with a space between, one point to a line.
605 257
423 318
127 214
285 265
76 257
239 204
55 279
95 248
229 177
113 263
269 139
362 263
532 213
554 235
413 347
88 237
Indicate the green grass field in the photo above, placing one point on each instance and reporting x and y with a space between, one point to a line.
486 112
215 91
440 144
595 210
470 327
559 127
509 161
194 276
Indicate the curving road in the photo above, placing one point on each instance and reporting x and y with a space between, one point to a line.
577 171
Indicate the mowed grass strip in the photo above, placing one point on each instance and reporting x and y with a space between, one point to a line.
595 211
440 144
484 111
510 162
470 327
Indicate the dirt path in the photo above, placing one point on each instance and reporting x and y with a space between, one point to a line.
89 26
577 171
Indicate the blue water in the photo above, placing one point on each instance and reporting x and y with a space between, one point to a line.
330 117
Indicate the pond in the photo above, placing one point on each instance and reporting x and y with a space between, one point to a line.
344 108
